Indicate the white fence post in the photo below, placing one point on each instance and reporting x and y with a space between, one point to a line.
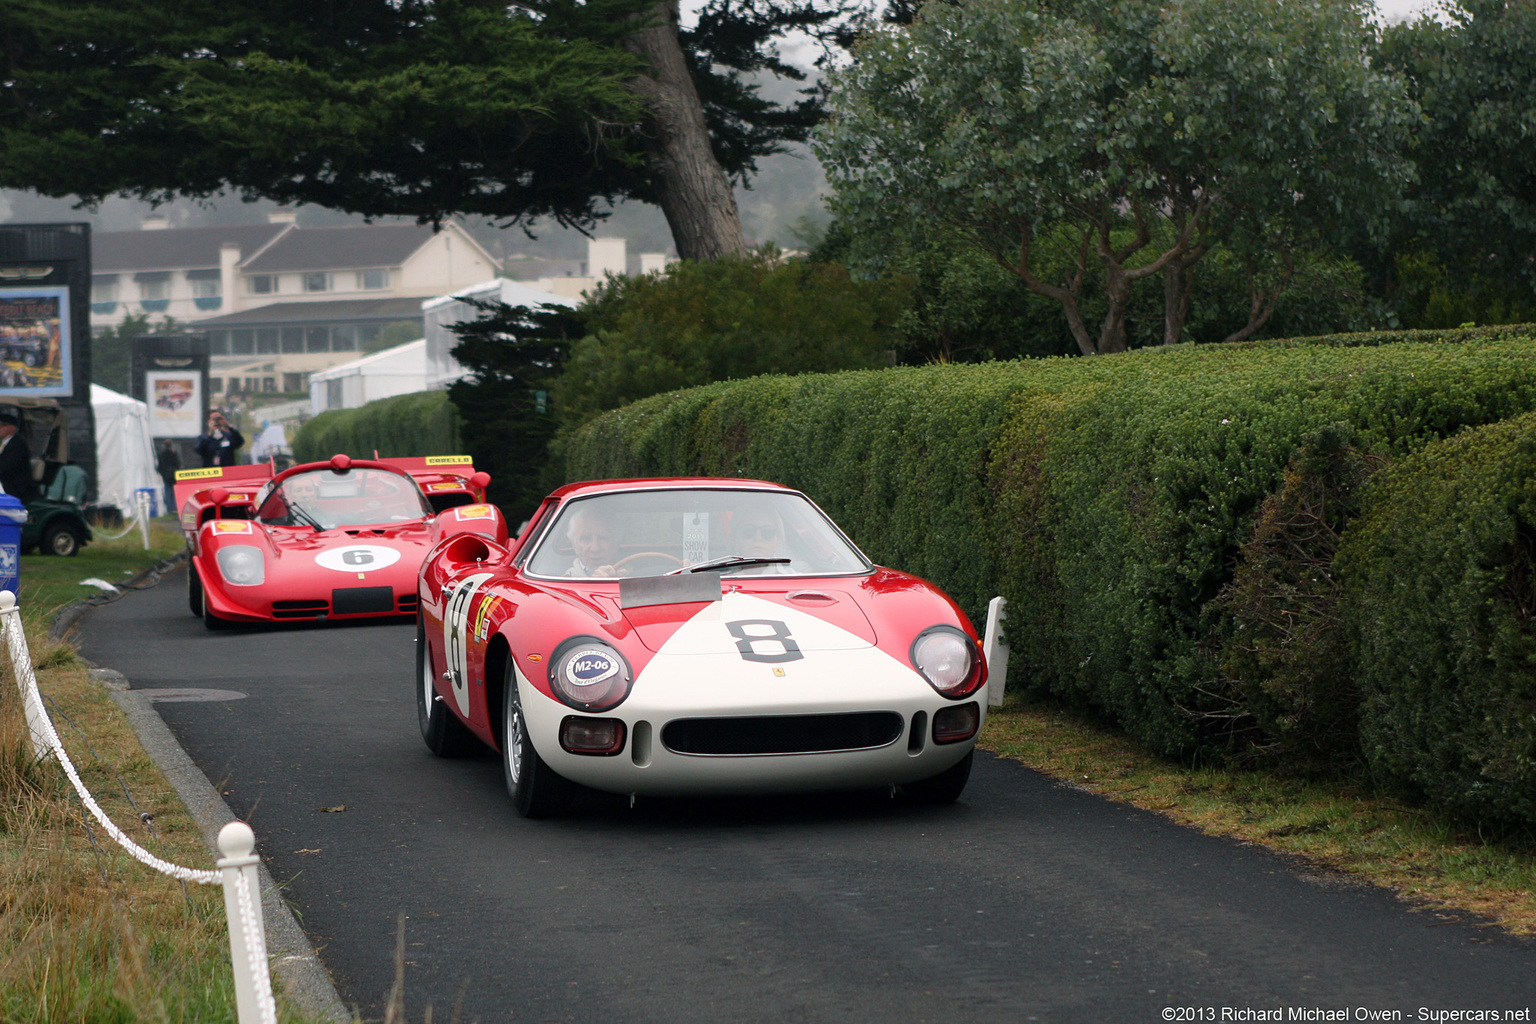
141 503
21 661
247 935
995 648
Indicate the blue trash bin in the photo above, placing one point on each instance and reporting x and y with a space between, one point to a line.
12 515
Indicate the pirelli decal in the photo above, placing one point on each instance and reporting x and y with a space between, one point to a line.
449 460
455 486
199 474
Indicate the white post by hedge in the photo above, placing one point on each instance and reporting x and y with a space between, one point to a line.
995 648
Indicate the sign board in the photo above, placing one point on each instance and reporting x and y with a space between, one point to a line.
35 333
175 400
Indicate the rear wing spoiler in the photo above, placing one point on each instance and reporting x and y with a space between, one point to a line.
190 481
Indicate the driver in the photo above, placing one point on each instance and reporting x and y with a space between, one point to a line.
595 542
757 533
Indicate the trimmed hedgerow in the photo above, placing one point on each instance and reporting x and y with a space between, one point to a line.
1441 594
1108 499
424 423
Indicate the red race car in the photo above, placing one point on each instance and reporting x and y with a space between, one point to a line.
340 539
693 636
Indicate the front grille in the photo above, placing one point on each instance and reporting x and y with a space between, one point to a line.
782 734
363 600
299 609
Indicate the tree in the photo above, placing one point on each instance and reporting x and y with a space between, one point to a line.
423 108
1474 205
1129 139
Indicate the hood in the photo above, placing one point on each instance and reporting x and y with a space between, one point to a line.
817 618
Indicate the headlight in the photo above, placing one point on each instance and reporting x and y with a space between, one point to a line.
588 674
242 565
947 658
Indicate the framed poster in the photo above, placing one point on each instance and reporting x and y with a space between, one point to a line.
175 399
35 341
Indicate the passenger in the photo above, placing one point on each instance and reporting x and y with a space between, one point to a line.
595 542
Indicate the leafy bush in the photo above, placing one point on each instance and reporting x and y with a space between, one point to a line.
1441 572
424 423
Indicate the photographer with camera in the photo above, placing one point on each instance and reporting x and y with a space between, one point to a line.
218 446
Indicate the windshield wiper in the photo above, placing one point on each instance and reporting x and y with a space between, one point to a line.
297 512
728 562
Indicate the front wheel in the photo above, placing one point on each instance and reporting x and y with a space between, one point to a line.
535 788
61 540
442 732
210 620
943 788
194 590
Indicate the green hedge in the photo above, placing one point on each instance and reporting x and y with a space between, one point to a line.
1441 593
424 423
1109 499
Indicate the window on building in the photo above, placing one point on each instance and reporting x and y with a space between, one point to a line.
207 289
218 344
252 385
317 339
104 290
344 338
261 284
295 382
269 383
267 341
372 279
319 281
242 343
293 339
216 385
367 334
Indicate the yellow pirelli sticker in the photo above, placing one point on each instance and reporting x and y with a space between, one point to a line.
199 474
474 511
456 486
449 460
231 526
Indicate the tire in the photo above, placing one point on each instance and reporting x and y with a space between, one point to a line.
194 590
534 787
61 540
210 620
441 730
943 788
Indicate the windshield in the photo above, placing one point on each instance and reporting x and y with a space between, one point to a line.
648 533
324 498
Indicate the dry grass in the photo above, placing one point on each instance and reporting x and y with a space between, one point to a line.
1428 859
87 933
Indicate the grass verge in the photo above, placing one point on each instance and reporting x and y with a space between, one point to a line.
86 932
1428 859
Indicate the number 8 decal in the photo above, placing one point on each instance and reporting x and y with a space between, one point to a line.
778 633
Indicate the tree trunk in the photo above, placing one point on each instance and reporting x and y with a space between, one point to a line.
691 189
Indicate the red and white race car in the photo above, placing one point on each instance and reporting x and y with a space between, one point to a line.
339 539
693 636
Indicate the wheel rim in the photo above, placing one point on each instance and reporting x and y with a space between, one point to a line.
514 737
63 543
428 690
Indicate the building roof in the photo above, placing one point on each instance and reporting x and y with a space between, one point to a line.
175 248
353 246
355 310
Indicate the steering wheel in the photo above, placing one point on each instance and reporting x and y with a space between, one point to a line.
624 562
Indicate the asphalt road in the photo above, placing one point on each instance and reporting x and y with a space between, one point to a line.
1028 900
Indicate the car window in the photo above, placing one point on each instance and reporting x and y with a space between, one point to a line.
647 533
328 499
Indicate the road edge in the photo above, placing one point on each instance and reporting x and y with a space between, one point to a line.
303 977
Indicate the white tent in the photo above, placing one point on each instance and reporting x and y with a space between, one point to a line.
125 455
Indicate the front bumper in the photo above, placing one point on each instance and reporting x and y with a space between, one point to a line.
847 693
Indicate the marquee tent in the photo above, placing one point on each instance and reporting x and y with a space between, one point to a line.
125 455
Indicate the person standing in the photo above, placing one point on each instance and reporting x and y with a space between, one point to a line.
218 446
167 462
15 459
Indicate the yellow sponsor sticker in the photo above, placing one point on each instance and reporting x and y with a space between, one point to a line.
478 625
199 474
449 460
455 486
475 511
231 526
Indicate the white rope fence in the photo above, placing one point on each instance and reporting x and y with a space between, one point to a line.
138 521
237 868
